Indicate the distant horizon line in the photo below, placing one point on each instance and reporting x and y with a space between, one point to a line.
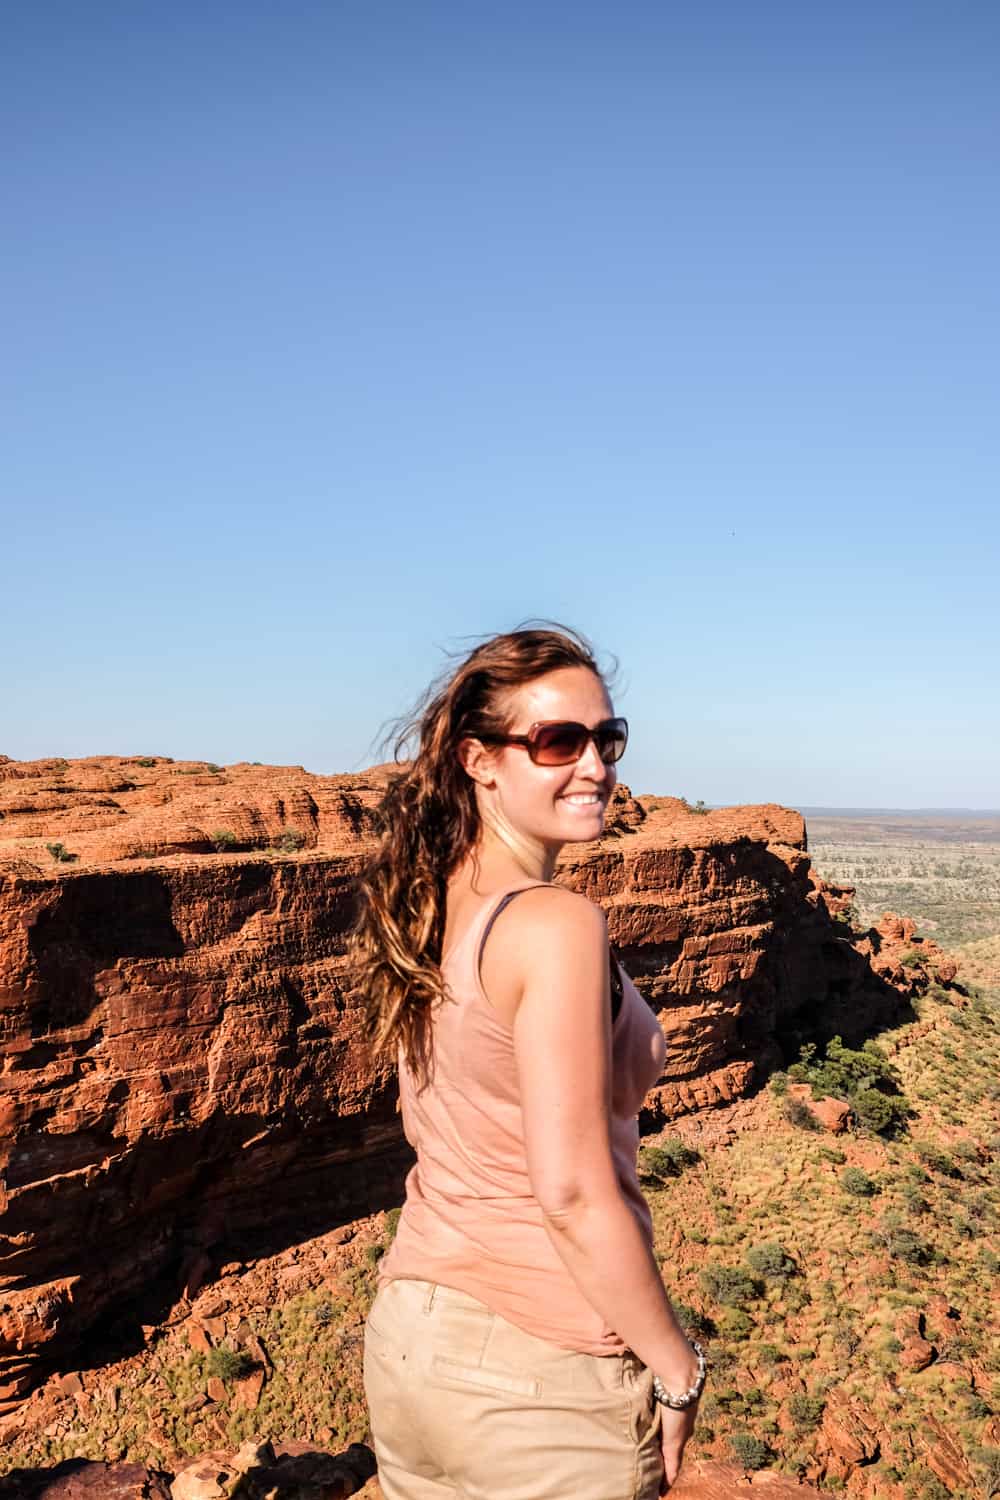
988 812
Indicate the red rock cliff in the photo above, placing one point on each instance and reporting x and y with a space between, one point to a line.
179 1016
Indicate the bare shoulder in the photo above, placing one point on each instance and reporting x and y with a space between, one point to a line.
553 914
551 945
548 926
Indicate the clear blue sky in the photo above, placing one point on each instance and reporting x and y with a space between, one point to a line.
335 333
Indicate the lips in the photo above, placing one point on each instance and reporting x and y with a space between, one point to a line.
584 799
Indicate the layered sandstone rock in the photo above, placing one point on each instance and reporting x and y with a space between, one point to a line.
181 1057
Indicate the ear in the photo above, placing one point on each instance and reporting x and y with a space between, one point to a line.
477 760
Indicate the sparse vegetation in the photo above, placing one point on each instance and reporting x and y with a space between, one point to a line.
856 1182
797 1112
864 1077
228 1364
729 1285
804 1410
658 1163
771 1261
752 1452
223 841
61 854
288 842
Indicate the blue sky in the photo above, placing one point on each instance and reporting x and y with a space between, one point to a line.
338 334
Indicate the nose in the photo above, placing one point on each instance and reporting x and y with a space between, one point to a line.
591 764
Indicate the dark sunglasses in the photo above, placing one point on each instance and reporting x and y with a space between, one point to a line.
558 742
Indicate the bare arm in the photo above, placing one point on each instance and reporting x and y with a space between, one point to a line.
562 1044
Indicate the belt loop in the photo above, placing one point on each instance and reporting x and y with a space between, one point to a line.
432 1287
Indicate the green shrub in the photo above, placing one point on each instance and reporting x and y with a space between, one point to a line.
796 1298
228 1364
61 854
771 1260
752 1452
289 841
770 1354
901 1243
806 1411
656 1163
146 761
729 1285
937 1160
865 1077
853 1180
797 1112
779 1083
223 840
910 959
831 1153
914 1199
735 1323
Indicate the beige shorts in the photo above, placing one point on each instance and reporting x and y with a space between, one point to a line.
464 1404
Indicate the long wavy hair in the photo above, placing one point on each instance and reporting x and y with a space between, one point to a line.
427 822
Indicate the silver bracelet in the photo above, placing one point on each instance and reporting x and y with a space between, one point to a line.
688 1397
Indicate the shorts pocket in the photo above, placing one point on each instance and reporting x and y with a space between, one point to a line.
394 1309
645 1409
454 1372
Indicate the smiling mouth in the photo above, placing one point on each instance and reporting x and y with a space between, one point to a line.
584 799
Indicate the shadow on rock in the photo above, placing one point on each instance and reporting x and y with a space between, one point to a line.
258 1471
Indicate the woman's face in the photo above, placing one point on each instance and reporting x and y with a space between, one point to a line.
551 804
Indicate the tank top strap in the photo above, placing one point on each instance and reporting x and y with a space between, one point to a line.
492 914
614 969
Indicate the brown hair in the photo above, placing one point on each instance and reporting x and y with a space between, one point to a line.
427 822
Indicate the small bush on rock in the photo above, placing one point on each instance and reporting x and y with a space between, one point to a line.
61 854
797 1112
229 1364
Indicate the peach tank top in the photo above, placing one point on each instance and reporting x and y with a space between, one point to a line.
470 1219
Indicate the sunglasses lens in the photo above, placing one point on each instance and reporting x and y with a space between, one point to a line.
558 744
611 741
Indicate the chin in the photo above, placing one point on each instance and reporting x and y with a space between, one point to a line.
576 830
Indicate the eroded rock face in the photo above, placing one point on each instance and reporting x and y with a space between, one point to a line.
180 1019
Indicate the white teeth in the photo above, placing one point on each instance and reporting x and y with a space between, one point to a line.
582 799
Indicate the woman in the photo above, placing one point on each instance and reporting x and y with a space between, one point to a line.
520 1319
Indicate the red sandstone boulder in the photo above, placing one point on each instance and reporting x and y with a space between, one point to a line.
78 1479
833 1114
